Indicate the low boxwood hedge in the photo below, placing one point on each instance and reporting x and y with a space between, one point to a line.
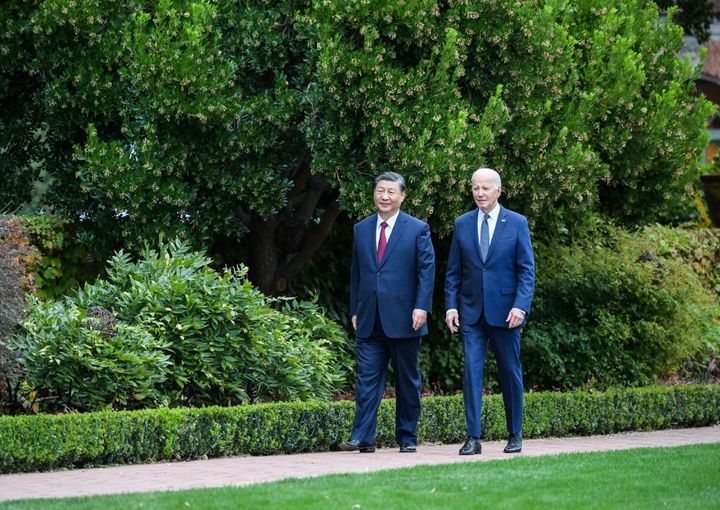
33 443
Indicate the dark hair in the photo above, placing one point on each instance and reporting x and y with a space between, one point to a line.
391 176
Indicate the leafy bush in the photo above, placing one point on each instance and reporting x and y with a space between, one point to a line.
615 311
317 330
89 439
39 255
60 268
185 335
11 377
699 248
87 367
613 308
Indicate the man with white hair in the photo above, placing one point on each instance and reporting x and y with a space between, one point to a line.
489 285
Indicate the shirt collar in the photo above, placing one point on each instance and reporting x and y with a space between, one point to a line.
493 214
390 221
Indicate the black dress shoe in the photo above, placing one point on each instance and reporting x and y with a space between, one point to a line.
514 444
354 445
408 448
471 446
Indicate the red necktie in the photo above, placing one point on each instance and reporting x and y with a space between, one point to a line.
382 243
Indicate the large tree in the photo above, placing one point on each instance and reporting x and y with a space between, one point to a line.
248 126
695 16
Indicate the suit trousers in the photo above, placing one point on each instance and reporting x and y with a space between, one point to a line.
373 354
505 343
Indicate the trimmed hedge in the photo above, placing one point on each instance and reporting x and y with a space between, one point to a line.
33 443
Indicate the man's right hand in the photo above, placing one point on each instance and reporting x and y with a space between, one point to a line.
452 319
353 319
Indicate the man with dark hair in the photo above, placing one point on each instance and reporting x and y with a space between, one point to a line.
391 285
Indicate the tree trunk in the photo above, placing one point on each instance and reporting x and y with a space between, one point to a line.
282 245
262 253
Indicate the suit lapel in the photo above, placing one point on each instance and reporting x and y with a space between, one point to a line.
499 228
395 235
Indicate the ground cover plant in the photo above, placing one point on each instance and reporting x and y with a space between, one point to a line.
681 477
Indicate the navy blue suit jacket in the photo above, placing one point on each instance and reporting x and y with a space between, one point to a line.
505 280
401 282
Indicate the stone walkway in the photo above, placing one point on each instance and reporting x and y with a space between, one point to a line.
249 470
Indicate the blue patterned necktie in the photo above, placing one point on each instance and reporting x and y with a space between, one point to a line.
484 237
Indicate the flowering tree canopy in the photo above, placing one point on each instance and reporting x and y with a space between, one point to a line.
237 123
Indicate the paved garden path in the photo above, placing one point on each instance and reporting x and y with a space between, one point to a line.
247 469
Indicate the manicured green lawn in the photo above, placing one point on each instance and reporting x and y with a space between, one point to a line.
684 477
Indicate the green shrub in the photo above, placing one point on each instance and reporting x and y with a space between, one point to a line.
195 337
311 364
611 308
32 443
60 268
11 377
87 367
699 248
615 313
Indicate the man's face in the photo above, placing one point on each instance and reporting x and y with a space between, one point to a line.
388 197
485 191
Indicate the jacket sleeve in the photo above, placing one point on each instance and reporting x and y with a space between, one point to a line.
453 274
354 276
425 269
525 267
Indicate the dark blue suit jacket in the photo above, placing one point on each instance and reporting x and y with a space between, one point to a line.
402 282
507 278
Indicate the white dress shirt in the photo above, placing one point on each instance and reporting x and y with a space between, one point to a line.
492 222
388 230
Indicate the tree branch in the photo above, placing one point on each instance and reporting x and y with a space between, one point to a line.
244 216
300 179
316 188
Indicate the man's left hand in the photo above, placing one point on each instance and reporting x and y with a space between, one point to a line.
515 318
419 318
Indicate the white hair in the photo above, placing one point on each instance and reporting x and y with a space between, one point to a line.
498 181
